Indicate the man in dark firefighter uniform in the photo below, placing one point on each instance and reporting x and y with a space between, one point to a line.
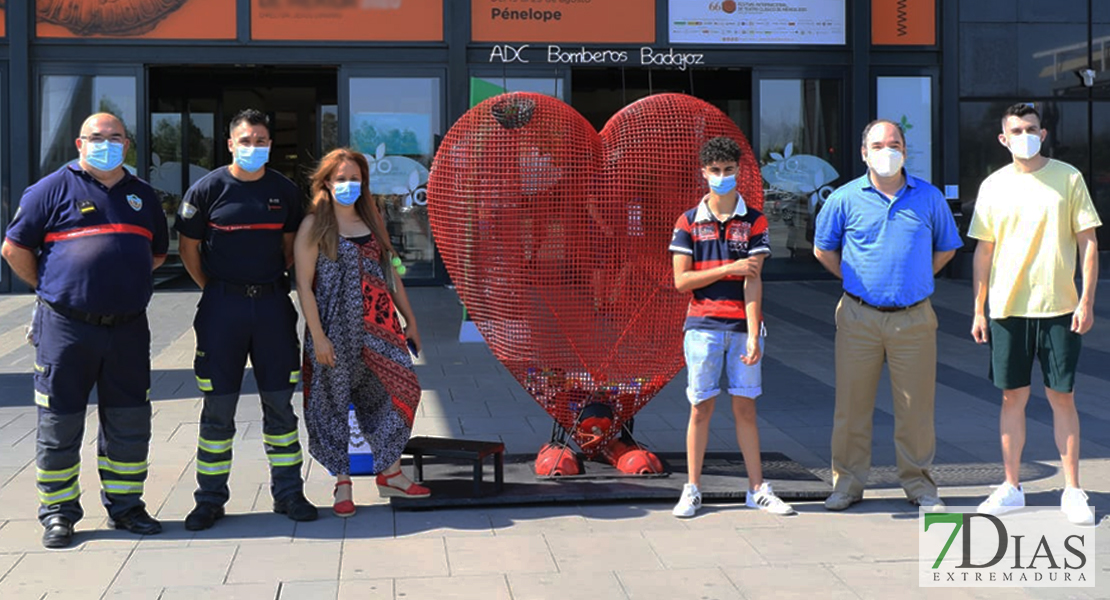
86 238
237 225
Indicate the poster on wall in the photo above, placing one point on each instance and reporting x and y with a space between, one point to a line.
904 23
348 20
909 101
588 22
141 19
3 25
820 22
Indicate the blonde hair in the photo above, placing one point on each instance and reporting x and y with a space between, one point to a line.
325 230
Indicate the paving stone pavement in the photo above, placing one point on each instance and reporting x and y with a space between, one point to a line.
565 552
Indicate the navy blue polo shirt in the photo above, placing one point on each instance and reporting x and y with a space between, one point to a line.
241 224
887 245
719 306
96 245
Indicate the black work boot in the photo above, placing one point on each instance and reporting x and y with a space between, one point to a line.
296 507
204 516
136 520
58 533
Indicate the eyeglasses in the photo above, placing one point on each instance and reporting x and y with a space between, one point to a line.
97 138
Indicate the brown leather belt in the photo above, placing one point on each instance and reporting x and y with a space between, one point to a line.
881 308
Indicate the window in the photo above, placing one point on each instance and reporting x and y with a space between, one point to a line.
800 159
397 122
67 100
1099 183
179 156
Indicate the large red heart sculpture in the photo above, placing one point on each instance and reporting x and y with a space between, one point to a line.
556 239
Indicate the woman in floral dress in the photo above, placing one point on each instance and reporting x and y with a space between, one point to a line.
356 351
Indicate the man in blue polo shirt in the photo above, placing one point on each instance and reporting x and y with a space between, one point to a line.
86 238
886 234
237 226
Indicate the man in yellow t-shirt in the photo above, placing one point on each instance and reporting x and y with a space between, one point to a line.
1029 218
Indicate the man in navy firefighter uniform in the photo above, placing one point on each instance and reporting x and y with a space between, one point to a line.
237 225
86 238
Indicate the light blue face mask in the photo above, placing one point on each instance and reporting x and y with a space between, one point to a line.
251 158
347 192
104 155
722 184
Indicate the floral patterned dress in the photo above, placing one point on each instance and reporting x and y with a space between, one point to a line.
373 368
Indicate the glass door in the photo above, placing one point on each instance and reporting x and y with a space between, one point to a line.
182 150
800 147
397 122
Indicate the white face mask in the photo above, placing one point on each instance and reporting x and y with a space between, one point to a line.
1025 146
886 162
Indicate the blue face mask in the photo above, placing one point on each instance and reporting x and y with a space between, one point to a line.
722 184
104 156
251 158
347 192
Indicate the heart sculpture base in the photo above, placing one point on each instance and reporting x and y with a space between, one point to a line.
556 238
559 460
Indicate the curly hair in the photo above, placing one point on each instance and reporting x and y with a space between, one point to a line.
719 149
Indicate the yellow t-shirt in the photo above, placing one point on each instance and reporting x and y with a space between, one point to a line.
1032 218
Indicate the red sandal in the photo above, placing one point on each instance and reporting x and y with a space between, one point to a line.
343 508
386 489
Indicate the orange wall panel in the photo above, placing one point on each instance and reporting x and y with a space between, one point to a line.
904 22
348 20
140 19
594 22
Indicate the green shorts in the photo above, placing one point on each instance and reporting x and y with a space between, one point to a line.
1017 341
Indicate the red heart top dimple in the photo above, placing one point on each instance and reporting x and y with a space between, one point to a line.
556 238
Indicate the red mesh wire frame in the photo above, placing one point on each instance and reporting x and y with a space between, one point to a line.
556 239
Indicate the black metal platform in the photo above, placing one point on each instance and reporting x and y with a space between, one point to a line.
724 479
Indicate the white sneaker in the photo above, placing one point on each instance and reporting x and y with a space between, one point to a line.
765 499
1003 499
1073 502
930 503
689 503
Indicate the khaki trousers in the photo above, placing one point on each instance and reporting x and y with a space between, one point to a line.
907 341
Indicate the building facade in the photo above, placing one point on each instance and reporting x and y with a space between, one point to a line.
800 77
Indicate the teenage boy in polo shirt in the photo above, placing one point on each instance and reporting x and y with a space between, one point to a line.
1029 218
885 234
719 247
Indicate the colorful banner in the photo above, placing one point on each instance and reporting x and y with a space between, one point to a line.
778 22
3 25
591 22
141 19
348 20
904 22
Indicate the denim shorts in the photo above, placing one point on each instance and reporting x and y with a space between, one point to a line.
707 353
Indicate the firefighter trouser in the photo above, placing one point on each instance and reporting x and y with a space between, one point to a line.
231 326
71 357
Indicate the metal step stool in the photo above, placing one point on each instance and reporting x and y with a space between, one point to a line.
473 450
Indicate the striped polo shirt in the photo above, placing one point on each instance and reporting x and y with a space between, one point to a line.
711 242
241 224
